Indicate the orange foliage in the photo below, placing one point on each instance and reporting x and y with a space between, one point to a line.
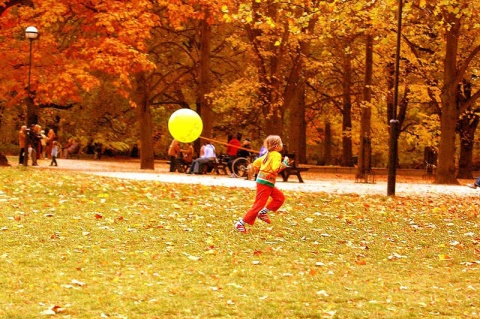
78 42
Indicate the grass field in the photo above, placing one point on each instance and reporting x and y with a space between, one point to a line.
79 246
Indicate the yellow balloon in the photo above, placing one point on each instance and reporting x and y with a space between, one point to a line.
185 125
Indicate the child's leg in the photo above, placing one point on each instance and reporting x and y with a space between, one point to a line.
261 198
277 200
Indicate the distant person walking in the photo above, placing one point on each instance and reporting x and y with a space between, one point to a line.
54 153
51 136
21 143
35 138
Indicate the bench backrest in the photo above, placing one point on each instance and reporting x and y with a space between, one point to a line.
291 156
76 149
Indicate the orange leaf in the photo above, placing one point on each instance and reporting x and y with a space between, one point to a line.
361 262
443 257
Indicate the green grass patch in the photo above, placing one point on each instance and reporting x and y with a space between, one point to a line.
81 246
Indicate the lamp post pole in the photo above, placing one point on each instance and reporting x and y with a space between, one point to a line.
393 148
31 33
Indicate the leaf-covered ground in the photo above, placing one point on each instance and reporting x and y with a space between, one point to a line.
79 246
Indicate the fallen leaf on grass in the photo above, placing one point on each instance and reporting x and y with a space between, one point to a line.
191 257
78 283
194 258
443 257
361 262
470 263
396 256
53 310
322 293
328 314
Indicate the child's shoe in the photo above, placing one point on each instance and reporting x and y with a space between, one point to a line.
240 226
264 217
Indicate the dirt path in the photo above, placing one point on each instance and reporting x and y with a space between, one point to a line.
314 181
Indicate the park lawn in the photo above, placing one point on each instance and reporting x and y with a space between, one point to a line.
81 246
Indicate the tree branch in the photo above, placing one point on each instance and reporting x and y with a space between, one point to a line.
12 3
466 63
56 106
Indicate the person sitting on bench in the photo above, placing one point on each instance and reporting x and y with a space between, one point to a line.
187 153
174 153
207 154
72 148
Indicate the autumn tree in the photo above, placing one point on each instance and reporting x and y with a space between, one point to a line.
79 42
456 27
342 34
279 39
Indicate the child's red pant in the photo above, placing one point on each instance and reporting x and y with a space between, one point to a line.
261 199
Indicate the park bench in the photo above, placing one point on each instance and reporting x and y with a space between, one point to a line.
367 177
180 165
430 170
293 169
218 166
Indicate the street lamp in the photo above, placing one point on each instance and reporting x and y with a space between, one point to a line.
31 33
393 148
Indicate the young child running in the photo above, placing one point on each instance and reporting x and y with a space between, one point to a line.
268 166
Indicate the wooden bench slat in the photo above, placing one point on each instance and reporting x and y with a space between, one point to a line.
293 170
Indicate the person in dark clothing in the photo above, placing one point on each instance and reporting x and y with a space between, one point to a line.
246 145
34 141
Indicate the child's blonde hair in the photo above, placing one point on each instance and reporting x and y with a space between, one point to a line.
271 143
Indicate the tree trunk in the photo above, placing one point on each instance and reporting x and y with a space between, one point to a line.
347 111
294 98
298 126
365 150
269 62
466 127
141 98
296 105
446 151
204 106
3 160
328 144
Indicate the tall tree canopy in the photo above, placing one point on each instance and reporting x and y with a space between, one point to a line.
272 67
